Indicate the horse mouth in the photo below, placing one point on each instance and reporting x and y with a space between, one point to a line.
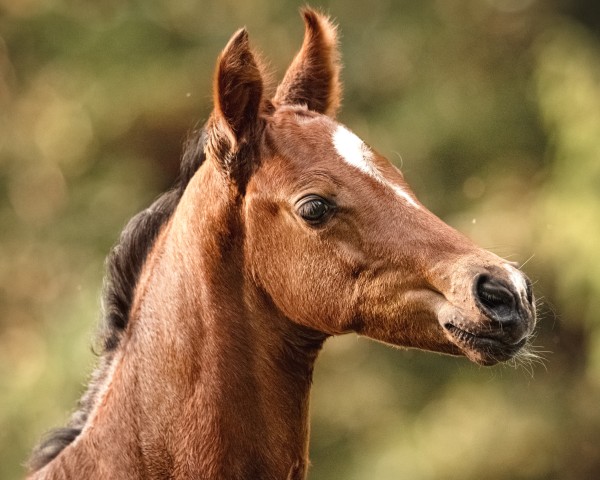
485 348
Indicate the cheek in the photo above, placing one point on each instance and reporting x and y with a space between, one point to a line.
303 274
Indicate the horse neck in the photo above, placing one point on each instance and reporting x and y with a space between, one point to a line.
212 381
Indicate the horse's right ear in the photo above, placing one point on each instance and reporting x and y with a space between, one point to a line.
237 97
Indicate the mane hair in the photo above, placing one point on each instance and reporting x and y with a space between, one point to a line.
123 267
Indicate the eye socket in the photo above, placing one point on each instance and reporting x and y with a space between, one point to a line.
314 209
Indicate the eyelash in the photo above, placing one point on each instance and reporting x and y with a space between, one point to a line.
314 209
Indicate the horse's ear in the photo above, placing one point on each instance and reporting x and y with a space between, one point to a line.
313 78
237 91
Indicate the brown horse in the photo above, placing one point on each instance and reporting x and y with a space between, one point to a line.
283 229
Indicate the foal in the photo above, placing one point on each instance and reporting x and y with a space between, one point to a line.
283 229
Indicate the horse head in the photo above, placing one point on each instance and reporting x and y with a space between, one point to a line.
333 234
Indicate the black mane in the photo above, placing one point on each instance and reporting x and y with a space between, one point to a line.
123 267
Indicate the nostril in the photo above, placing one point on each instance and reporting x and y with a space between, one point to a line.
495 297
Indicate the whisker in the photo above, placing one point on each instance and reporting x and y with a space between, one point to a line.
527 261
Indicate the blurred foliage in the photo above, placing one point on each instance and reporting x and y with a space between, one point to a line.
492 107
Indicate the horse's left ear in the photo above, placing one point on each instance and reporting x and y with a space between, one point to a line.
237 98
313 78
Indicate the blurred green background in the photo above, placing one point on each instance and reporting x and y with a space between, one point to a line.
492 107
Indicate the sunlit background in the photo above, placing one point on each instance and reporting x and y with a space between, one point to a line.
491 107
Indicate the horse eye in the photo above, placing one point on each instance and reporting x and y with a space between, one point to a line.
313 209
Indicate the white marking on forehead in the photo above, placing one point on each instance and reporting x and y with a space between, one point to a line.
517 278
354 152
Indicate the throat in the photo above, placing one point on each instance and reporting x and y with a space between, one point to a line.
204 393
233 400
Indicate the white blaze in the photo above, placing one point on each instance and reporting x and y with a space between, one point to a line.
401 193
354 152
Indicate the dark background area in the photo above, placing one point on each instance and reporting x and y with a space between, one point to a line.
491 107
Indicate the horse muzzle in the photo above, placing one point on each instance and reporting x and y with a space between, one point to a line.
500 319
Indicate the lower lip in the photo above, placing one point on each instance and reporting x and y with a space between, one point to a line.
484 345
